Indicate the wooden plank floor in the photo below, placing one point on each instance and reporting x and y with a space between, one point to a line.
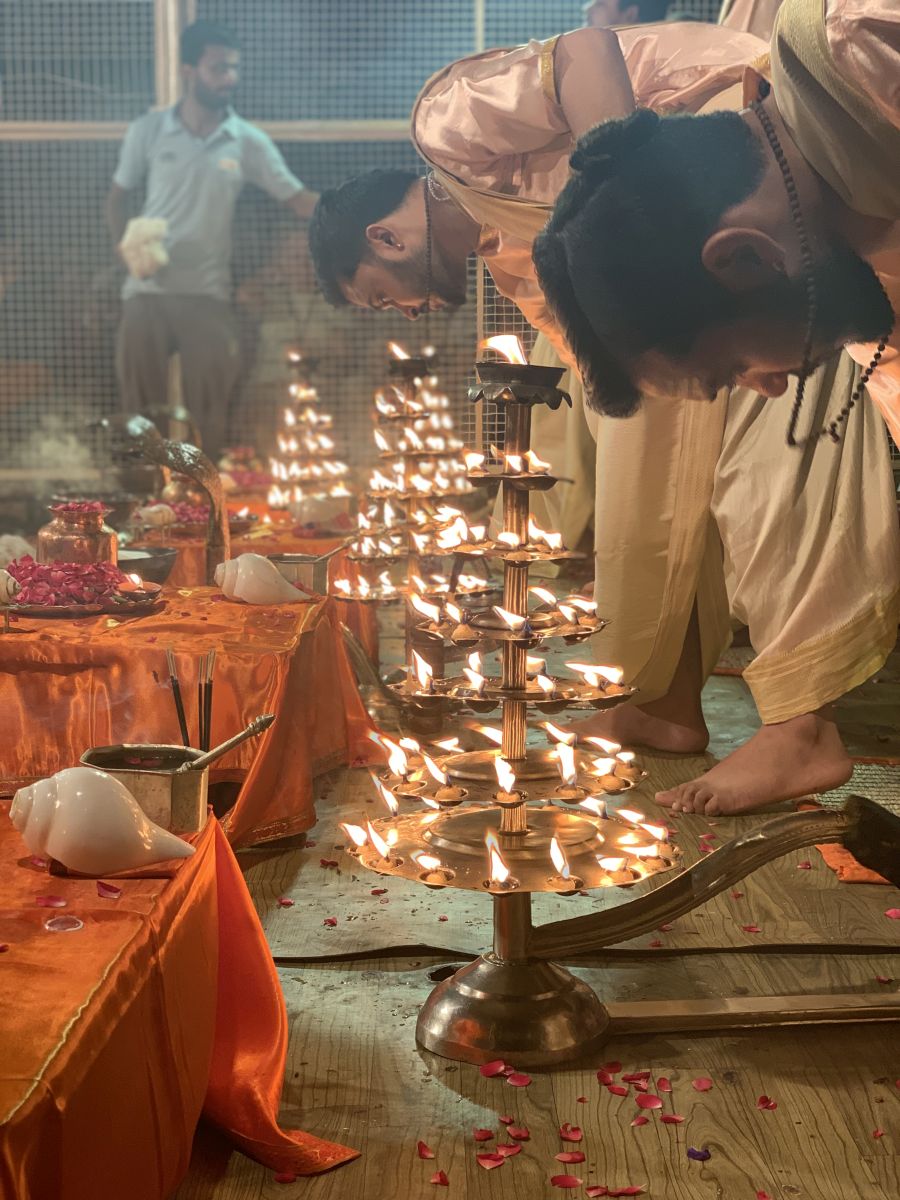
355 1074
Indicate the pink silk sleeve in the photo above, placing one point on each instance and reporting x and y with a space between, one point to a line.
864 39
752 16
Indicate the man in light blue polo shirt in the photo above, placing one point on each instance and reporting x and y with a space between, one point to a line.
194 159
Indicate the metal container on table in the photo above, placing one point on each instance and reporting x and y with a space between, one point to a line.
77 536
309 570
176 801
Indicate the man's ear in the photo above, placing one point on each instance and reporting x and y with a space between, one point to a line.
385 242
743 260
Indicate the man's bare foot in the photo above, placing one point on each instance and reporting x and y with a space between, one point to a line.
633 727
780 762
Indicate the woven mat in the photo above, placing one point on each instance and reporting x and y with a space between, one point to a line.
877 782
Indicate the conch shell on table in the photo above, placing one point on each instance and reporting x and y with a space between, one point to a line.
8 587
91 823
255 580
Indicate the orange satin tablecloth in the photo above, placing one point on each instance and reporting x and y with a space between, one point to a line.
66 686
118 1036
277 538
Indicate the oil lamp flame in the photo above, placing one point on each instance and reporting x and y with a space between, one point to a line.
604 744
434 770
398 763
424 672
625 756
565 754
515 621
377 840
136 580
473 460
356 834
546 684
431 611
604 766
493 735
659 832
509 539
387 796
505 775
594 674
499 871
449 744
507 345
410 744
454 613
515 463
630 814
427 861
397 351
611 864
381 441
593 805
534 665
558 858
536 464
560 735
544 595
476 680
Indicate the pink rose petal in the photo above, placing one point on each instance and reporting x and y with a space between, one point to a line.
518 1080
806 865
518 1133
604 1077
767 1103
285 1177
737 895
508 1149
570 1156
763 1196
581 1100
440 1178
490 1161
506 1120
616 1089
613 1067
285 902
671 1119
663 1084
648 1101
489 1070
893 913
703 1084
655 944
330 922
625 1191
108 891
424 1150
640 1120
39 863
570 1133
877 1133
751 929
482 1135
666 926
443 918
596 1190
641 1085
634 1076
565 1181
328 862
50 902
383 892
883 979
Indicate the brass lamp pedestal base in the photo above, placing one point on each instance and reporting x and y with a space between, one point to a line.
530 1013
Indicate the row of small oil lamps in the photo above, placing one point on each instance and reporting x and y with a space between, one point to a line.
574 617
399 782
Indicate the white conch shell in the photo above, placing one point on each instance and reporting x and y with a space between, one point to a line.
156 514
255 580
91 823
8 587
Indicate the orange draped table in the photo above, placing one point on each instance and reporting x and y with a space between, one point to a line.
66 686
278 537
118 1035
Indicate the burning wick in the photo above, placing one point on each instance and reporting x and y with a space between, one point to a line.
398 763
473 673
506 797
535 666
381 846
446 793
535 464
435 874
595 806
597 677
507 345
626 767
500 879
474 461
562 881
516 623
569 789
356 834
604 769
388 796
560 735
424 673
544 595
547 686
514 463
397 351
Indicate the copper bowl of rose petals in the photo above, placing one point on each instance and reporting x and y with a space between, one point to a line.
193 520
68 589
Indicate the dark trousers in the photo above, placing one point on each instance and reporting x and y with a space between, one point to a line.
202 332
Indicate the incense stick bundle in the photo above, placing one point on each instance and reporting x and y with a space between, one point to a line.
208 699
176 695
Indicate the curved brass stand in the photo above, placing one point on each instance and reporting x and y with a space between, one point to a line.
513 1004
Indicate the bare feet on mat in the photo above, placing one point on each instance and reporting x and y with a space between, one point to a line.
780 762
633 727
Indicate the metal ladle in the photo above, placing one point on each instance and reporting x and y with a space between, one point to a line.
257 726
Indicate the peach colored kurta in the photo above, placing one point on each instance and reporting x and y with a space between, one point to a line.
680 485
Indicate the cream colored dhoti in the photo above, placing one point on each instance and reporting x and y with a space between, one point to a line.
707 501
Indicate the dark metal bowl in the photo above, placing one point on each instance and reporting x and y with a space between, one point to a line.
153 563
